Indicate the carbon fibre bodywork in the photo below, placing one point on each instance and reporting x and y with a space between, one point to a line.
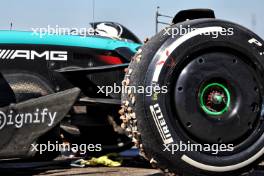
57 72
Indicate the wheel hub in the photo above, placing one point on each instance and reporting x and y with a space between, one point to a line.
214 99
216 94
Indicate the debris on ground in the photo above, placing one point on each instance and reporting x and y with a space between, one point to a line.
100 161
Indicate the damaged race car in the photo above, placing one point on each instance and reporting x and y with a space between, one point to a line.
213 75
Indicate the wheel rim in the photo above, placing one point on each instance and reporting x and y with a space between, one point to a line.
213 92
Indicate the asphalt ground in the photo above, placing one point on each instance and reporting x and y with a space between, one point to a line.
131 166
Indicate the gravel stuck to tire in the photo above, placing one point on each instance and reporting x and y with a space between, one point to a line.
139 110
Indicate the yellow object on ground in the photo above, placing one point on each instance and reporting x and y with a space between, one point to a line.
103 160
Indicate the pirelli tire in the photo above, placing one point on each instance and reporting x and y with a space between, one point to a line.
162 119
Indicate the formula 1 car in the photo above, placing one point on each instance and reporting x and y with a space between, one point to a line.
56 88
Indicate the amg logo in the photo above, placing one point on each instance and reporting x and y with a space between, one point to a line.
161 124
31 54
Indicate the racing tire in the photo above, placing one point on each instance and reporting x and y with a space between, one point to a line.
198 68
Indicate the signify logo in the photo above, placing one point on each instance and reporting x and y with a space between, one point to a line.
18 120
32 54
